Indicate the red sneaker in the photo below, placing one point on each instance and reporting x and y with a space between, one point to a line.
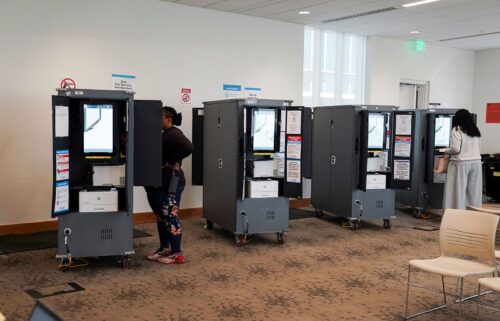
176 258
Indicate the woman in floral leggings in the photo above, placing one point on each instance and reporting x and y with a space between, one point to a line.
165 200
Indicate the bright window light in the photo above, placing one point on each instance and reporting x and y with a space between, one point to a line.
304 12
412 4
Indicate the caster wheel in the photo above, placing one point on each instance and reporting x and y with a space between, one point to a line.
417 213
387 224
124 261
354 224
318 213
63 265
281 237
241 240
209 225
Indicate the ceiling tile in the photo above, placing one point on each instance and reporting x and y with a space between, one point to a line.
437 20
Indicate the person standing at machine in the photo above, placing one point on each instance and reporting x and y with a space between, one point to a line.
464 181
165 200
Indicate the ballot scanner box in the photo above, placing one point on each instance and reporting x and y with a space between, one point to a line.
262 168
263 188
91 201
376 181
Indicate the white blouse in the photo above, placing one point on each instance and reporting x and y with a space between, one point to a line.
463 147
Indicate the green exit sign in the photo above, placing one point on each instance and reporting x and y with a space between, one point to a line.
419 45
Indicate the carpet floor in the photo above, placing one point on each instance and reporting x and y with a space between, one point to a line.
322 272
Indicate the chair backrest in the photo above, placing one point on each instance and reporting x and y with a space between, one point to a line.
468 233
491 211
484 209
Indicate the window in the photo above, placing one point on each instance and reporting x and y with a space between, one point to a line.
334 68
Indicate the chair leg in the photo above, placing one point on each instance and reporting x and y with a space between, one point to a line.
408 317
407 292
444 290
478 301
461 298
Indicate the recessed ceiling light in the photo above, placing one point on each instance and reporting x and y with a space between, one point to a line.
304 12
412 4
414 32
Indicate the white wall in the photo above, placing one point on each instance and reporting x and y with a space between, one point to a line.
487 90
167 46
450 72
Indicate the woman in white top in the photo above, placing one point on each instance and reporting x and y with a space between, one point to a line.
464 181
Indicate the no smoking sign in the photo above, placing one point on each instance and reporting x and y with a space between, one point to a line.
186 95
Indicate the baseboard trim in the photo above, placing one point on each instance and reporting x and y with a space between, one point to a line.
139 218
28 228
300 202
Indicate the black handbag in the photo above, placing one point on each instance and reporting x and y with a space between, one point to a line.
174 181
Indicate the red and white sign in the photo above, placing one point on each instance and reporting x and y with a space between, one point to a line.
493 113
68 83
62 165
186 95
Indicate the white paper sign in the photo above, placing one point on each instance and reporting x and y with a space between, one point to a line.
282 142
252 92
403 124
283 120
280 157
402 146
62 165
123 82
61 121
293 171
293 122
61 199
293 147
231 91
402 170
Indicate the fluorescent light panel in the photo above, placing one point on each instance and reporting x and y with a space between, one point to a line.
412 4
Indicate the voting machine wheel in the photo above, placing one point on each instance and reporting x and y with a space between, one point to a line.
63 265
417 213
209 225
318 213
354 224
241 240
281 237
387 223
124 262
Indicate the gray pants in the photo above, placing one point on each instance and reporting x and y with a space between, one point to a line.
464 184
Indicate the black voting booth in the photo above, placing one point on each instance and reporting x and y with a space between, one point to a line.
361 154
432 137
104 143
232 166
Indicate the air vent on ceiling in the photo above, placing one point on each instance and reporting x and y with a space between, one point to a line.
357 15
472 36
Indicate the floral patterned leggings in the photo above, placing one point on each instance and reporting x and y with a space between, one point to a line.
165 205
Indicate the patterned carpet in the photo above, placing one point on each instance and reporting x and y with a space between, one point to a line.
322 272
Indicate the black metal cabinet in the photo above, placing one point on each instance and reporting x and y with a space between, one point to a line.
226 157
135 128
427 187
147 143
321 163
342 158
